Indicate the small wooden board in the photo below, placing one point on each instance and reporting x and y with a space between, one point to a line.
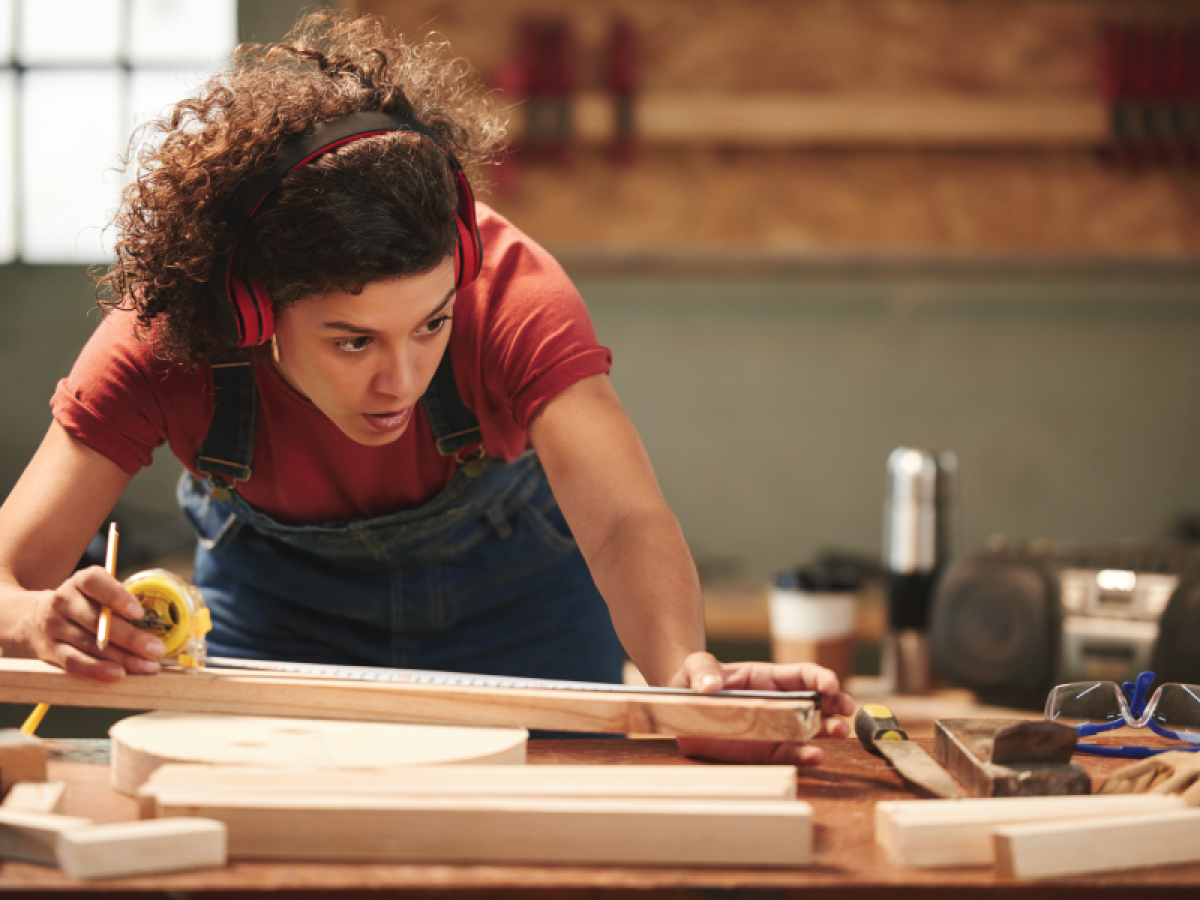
959 832
140 744
1053 849
284 694
22 758
964 747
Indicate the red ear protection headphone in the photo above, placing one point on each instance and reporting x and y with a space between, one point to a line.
243 307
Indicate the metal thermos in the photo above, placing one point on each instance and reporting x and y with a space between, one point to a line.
918 525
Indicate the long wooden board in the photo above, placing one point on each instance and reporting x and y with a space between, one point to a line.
503 829
298 696
179 785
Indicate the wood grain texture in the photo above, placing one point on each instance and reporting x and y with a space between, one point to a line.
142 848
497 829
176 785
959 832
1054 849
140 744
964 746
282 694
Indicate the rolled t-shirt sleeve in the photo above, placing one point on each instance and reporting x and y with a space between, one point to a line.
537 338
109 401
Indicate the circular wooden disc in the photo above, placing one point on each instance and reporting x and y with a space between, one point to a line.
140 744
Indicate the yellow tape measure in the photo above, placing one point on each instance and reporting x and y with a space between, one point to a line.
175 613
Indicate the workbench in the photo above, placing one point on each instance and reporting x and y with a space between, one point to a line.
846 863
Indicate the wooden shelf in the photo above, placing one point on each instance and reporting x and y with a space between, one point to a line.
774 120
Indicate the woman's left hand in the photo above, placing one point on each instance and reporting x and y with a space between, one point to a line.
702 672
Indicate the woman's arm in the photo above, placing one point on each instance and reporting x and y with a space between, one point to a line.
46 523
635 550
631 540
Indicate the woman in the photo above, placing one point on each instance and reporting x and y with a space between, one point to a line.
383 395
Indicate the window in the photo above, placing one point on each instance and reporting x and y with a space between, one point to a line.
76 78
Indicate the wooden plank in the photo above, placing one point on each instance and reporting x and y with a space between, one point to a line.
33 837
22 757
142 848
29 796
933 834
499 829
177 785
140 744
964 747
841 120
1098 845
281 694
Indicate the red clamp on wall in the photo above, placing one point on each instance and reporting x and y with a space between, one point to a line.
622 83
1150 76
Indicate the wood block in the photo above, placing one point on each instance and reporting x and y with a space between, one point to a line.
964 747
1098 845
22 758
46 797
511 830
289 695
140 744
177 786
33 837
940 833
141 848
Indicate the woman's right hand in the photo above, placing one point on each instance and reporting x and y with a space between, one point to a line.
61 628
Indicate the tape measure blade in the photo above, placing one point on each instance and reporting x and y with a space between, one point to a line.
463 679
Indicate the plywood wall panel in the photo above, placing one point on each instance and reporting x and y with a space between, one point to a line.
908 202
858 199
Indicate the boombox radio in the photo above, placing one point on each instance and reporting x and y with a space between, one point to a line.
1013 621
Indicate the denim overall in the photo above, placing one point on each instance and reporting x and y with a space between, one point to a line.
484 578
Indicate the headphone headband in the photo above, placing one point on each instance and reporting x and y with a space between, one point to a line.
243 307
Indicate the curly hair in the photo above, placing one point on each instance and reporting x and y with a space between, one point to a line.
378 207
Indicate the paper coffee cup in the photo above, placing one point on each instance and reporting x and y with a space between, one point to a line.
813 627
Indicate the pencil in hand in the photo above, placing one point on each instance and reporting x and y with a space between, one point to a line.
110 566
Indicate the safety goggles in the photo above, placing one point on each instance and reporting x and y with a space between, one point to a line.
1094 707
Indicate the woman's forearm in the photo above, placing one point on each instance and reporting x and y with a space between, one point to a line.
645 572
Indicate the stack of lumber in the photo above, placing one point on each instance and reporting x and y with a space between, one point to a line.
1038 837
640 815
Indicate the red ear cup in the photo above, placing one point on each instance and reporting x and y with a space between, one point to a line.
253 311
243 308
468 259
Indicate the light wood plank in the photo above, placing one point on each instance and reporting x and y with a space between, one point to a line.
281 694
939 833
142 848
176 786
29 796
1098 845
496 829
33 837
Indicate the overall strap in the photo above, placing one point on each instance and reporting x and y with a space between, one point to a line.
227 453
454 426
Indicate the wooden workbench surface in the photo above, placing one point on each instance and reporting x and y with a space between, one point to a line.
846 861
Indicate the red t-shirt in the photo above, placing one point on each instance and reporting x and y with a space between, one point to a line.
521 335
